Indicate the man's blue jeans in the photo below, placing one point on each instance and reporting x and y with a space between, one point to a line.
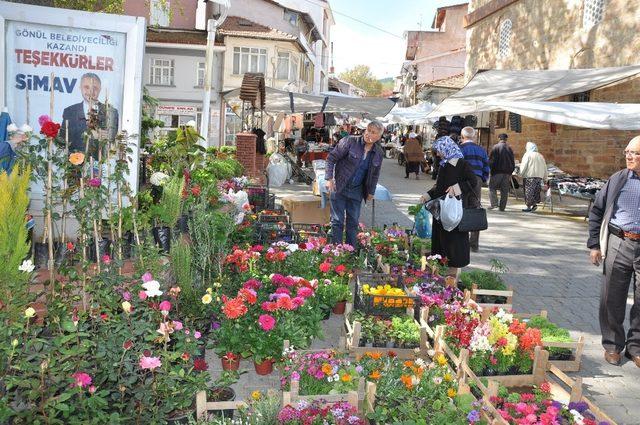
342 205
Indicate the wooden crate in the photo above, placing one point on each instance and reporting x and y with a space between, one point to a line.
508 293
576 346
353 333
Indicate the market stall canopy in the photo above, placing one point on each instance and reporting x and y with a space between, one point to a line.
289 102
528 90
413 115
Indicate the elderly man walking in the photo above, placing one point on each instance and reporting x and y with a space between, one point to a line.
502 164
477 158
352 172
614 236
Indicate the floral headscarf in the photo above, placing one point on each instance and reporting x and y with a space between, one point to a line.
447 148
532 147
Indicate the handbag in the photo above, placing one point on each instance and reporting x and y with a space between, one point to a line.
473 219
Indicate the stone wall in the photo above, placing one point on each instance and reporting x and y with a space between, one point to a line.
550 35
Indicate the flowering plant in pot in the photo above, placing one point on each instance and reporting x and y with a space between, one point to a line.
315 412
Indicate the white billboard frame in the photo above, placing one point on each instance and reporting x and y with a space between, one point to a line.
134 29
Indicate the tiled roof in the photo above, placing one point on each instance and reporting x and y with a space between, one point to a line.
241 27
453 82
177 37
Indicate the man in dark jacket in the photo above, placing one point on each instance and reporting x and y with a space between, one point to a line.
477 158
614 230
502 164
352 172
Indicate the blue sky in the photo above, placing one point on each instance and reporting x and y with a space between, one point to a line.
355 43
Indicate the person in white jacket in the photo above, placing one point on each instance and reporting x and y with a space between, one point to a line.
533 169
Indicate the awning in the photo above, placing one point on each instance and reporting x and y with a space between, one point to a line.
289 102
496 90
413 115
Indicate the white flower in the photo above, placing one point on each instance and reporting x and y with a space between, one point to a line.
158 178
27 266
12 128
504 316
336 377
26 128
420 362
152 288
292 247
329 379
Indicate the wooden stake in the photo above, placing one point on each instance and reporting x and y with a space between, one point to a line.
95 230
65 185
50 198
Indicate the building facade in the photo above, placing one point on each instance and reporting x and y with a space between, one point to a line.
559 34
433 55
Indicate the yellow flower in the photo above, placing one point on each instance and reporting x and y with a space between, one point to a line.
14 343
29 312
126 306
441 359
76 158
327 369
451 392
447 377
209 291
206 299
256 395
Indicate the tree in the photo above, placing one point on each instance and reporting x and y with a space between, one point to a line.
361 77
106 6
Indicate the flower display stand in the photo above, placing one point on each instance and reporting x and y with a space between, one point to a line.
203 406
507 293
576 347
353 336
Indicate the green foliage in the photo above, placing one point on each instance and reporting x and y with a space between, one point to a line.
210 232
484 280
361 77
405 330
168 210
551 333
14 201
498 266
106 6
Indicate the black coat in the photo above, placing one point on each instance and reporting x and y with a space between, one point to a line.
453 245
501 160
77 122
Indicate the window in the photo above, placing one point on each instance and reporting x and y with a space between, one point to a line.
200 74
249 59
500 119
291 17
592 13
161 73
585 96
287 67
504 44
159 12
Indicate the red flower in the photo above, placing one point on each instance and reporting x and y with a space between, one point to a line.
196 191
200 365
545 387
185 356
104 316
50 129
70 246
285 302
234 308
249 295
127 344
325 267
392 354
269 306
340 269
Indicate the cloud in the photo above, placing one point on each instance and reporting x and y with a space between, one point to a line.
382 52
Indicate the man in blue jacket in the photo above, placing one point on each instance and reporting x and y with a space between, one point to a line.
352 172
614 236
478 159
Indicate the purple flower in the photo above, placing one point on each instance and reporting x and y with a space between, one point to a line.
473 416
579 406
43 119
94 182
215 326
295 376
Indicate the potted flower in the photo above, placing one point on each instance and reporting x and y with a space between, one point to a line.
333 295
222 391
266 344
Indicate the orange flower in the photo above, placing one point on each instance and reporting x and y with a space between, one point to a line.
407 381
76 158
373 355
234 308
408 363
327 369
345 378
375 375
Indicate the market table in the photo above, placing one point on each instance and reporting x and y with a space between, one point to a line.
312 156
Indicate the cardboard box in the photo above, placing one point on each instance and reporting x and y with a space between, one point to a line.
306 209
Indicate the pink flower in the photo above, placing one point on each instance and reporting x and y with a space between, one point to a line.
267 322
127 296
150 362
297 301
147 277
92 389
142 295
187 331
43 119
165 305
177 325
81 379
94 182
283 291
106 259
325 267
305 292
197 335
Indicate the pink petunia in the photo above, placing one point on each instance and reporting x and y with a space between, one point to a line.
150 363
42 119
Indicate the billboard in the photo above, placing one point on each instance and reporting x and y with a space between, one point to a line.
83 67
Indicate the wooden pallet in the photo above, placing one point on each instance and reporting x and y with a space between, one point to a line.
353 334
508 293
576 346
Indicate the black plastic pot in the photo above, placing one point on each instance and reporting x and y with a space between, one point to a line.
162 237
61 254
183 224
181 418
40 254
223 394
127 245
326 313
104 247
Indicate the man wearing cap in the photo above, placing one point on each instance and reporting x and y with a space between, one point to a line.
614 235
501 164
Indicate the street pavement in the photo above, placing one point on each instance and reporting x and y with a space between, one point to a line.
548 267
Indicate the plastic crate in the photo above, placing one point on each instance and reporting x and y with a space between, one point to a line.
258 197
304 231
267 236
384 305
273 218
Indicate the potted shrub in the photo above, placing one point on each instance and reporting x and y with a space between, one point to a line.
405 331
334 295
222 391
165 213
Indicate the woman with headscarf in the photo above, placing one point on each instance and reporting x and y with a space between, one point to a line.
455 178
413 156
533 169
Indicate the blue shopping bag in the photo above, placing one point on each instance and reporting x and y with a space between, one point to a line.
423 223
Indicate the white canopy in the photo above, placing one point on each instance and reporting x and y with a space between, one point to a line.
413 115
289 102
526 92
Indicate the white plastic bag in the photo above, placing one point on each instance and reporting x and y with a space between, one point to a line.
450 212
277 170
